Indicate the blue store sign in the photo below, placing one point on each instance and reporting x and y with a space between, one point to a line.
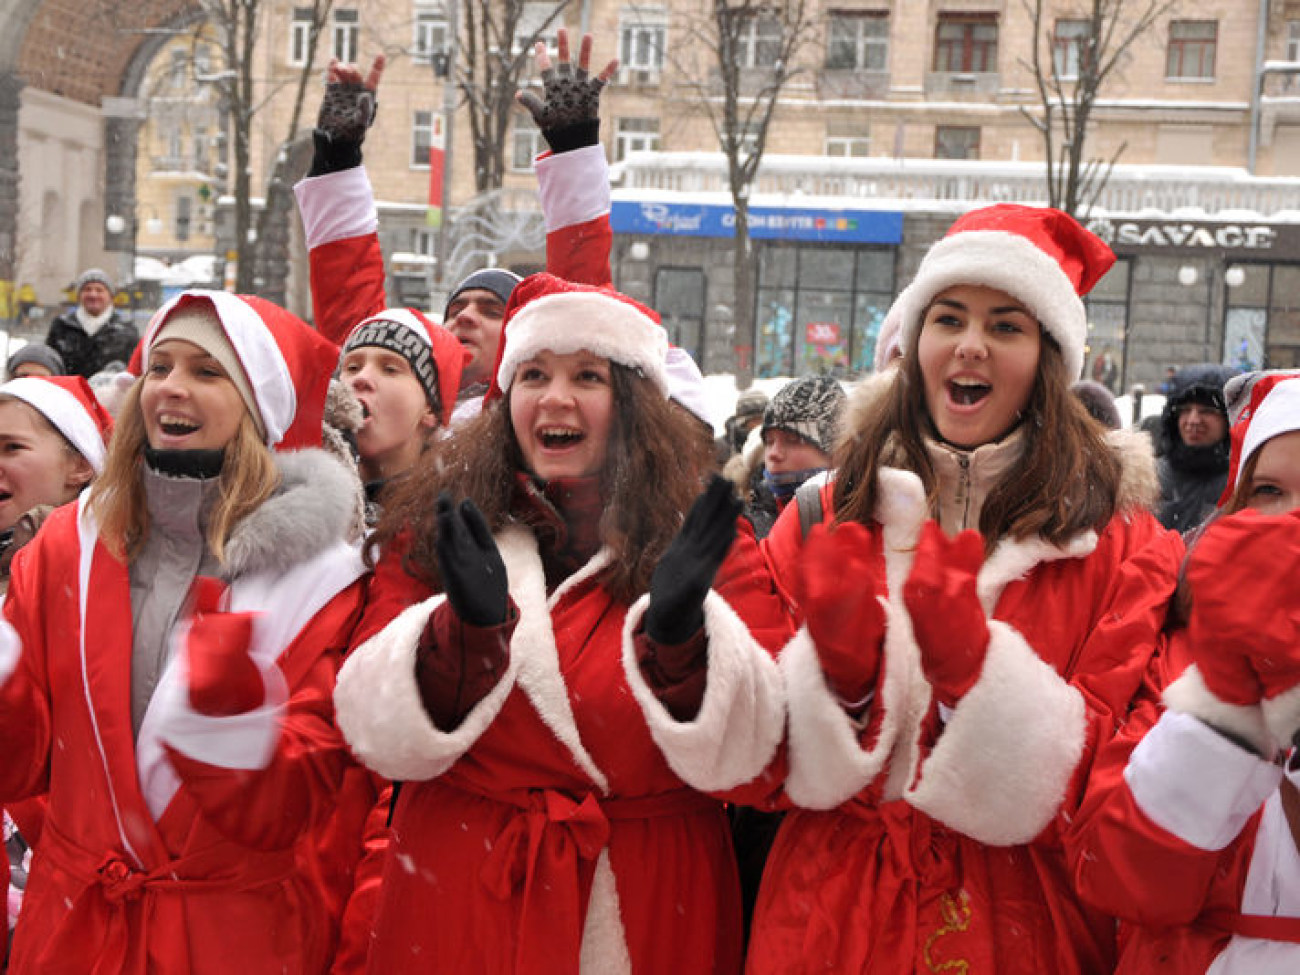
765 223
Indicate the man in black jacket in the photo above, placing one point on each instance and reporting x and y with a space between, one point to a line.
93 335
1194 451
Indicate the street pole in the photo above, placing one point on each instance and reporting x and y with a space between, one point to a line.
448 130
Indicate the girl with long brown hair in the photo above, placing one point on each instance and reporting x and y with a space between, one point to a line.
546 820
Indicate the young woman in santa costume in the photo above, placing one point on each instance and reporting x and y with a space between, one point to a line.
540 827
1191 826
52 443
979 602
167 656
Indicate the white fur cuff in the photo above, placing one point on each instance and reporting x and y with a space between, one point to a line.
381 714
336 206
11 648
1192 782
1282 715
999 771
740 723
573 186
239 741
828 763
1189 695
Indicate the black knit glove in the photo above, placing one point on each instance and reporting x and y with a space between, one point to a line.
473 575
684 574
569 117
346 112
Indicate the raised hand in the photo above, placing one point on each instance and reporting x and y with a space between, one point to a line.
350 101
685 572
473 575
942 598
838 586
223 679
569 113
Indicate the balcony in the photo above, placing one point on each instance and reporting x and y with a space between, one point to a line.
1190 192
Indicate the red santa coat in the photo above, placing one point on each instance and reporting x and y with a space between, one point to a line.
931 841
347 266
549 833
1183 834
173 853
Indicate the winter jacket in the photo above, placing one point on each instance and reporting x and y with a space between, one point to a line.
928 838
176 851
1191 478
84 354
1184 836
548 832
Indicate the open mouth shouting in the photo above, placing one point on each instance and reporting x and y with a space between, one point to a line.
177 426
559 438
968 391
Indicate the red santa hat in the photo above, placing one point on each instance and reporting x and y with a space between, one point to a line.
548 313
1261 405
70 405
1042 257
286 364
436 356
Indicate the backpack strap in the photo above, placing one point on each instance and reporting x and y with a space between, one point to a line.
808 496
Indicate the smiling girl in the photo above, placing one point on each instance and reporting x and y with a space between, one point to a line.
1191 828
167 654
540 827
979 606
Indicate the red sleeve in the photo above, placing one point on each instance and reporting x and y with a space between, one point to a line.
580 252
359 916
391 589
347 284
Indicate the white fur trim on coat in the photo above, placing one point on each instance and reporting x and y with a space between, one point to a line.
336 206
742 718
571 321
573 186
380 711
1190 695
999 771
1010 263
11 648
1196 784
1282 715
604 940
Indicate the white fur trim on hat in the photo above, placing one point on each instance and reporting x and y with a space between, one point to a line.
263 362
585 320
66 412
1008 262
398 316
1279 413
686 385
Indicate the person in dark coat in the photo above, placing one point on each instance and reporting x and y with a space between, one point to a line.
1194 447
93 335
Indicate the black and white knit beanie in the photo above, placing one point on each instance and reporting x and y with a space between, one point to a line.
810 408
404 332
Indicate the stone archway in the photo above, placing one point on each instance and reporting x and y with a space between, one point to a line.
88 53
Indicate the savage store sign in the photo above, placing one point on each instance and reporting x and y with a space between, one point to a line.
1183 237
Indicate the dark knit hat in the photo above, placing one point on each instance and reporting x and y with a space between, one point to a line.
809 408
406 333
495 279
93 275
1098 401
752 402
39 353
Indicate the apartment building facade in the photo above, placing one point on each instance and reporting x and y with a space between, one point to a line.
903 114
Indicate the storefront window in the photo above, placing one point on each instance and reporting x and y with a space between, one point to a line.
1107 306
679 299
1261 329
820 308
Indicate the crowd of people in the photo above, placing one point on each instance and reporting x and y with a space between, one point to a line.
391 645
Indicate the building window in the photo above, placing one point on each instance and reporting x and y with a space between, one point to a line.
537 22
421 139
423 241
300 31
1070 39
642 33
845 139
430 34
1293 40
857 41
346 37
1191 49
1262 321
679 300
1107 305
526 144
635 135
966 44
184 213
758 40
956 142
820 308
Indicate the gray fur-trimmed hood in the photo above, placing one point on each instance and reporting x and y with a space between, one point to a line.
314 507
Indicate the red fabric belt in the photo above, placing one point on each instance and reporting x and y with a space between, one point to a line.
1267 928
115 891
549 852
